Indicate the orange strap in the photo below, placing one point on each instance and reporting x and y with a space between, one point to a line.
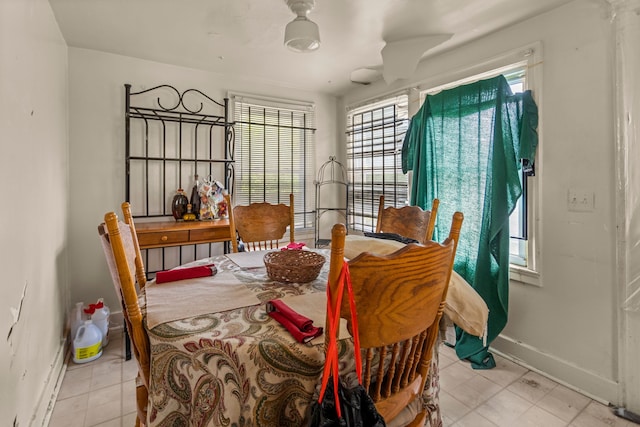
331 353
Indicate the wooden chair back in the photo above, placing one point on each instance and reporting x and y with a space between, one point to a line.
141 275
400 299
407 221
263 225
122 253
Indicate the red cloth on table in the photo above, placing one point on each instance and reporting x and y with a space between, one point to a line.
185 273
293 246
299 326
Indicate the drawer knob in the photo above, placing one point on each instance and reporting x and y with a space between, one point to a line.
164 238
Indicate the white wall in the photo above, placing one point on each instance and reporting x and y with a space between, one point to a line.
568 326
97 148
33 171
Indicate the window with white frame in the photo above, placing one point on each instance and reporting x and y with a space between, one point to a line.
274 153
520 248
375 133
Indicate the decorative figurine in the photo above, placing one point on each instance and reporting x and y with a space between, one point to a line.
211 194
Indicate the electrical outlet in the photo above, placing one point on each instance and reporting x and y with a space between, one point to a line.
580 200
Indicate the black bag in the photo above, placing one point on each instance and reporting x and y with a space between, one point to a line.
356 408
391 236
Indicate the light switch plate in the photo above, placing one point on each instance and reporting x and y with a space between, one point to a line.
580 200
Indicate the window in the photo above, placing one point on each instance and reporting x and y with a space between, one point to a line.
519 218
375 133
519 224
274 153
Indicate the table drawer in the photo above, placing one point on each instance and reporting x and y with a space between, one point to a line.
210 234
162 238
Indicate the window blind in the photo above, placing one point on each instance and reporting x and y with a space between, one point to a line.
375 134
275 154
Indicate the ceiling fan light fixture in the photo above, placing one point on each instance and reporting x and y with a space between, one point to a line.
302 35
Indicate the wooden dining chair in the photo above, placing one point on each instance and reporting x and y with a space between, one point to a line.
141 275
407 221
122 253
400 299
262 225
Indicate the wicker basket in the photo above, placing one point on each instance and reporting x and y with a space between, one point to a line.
293 266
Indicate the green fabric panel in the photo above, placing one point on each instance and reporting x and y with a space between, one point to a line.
464 146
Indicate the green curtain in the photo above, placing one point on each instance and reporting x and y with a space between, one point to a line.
464 146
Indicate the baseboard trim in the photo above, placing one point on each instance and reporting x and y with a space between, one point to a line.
561 371
44 409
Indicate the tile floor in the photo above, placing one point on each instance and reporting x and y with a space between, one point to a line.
512 396
98 393
101 393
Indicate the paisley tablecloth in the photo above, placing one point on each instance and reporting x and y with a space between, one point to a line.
242 368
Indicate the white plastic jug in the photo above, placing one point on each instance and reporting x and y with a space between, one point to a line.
100 318
87 345
77 319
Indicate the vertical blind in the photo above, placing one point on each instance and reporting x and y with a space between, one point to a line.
274 154
375 133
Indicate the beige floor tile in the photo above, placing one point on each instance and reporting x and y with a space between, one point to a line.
451 408
105 395
107 379
504 373
100 414
67 419
537 417
598 415
69 412
475 391
446 421
75 383
473 419
129 420
104 405
71 405
107 372
504 408
116 422
454 375
116 347
563 403
532 386
83 371
106 365
445 360
446 351
129 397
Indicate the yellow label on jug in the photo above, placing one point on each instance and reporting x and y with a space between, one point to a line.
87 352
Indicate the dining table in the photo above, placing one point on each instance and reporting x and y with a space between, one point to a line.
218 358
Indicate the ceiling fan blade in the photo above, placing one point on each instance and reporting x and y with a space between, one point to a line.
366 75
400 57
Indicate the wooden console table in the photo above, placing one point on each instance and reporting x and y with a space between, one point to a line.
160 234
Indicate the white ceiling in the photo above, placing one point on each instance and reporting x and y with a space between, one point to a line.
245 37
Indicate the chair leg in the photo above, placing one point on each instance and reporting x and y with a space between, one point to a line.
127 343
142 399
